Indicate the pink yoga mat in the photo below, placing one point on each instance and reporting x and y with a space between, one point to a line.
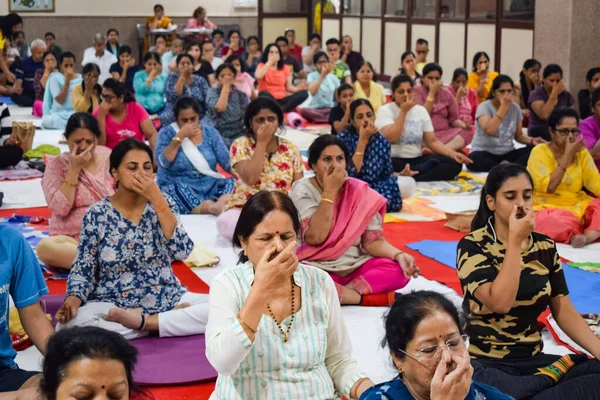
172 361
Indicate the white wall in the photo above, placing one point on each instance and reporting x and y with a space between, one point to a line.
426 32
351 27
127 8
480 37
452 47
517 46
331 29
371 38
395 43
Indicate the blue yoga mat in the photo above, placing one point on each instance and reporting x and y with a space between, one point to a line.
584 286
7 100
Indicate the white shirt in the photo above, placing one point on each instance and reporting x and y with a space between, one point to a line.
306 51
216 62
417 121
315 362
104 62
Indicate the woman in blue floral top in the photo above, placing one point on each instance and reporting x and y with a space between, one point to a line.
187 154
371 154
122 278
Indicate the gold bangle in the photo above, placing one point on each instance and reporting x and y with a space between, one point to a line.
176 139
327 200
241 321
430 99
359 153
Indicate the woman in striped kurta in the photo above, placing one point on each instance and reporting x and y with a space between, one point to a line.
264 343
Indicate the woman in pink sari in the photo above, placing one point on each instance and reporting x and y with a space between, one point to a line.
72 182
342 225
199 21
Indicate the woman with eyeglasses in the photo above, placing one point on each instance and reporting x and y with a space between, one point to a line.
429 350
510 275
120 117
567 183
499 124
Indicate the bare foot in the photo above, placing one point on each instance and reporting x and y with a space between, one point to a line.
579 241
131 319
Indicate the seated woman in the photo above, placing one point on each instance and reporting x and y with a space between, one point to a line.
125 69
371 156
269 305
149 84
187 154
58 104
275 78
160 46
260 160
442 108
366 269
529 80
227 105
183 83
199 21
590 129
122 278
234 48
160 21
510 275
408 128
90 363
592 80
552 94
244 82
339 117
120 117
73 182
86 96
466 98
563 174
322 85
499 124
482 77
408 61
252 56
365 86
112 42
40 79
430 352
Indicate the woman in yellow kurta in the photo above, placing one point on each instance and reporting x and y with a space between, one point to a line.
481 78
365 86
159 21
561 170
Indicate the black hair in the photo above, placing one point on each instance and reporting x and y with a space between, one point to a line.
552 69
318 55
431 67
82 120
217 32
119 152
233 58
289 30
125 49
332 41
498 81
252 37
159 37
407 312
344 86
362 64
152 55
8 22
16 34
495 179
590 74
256 209
223 66
112 30
50 34
198 11
282 39
595 97
258 104
406 54
458 72
185 103
422 41
66 54
357 103
119 89
201 45
558 114
46 54
232 32
182 56
321 143
530 63
476 58
87 68
315 36
73 344
400 79
158 6
264 58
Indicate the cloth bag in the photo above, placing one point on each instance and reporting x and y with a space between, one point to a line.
23 133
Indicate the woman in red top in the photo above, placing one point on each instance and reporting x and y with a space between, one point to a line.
293 48
466 98
235 48
275 80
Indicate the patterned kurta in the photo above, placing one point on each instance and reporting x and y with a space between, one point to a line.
181 181
197 89
277 174
229 123
377 167
126 264
516 334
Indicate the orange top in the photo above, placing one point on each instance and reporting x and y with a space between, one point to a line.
274 81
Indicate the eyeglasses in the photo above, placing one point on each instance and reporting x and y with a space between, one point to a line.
108 97
566 131
429 354
322 62
422 51
504 91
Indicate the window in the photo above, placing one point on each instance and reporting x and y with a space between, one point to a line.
523 10
453 8
423 9
396 8
352 7
332 7
483 9
288 6
373 7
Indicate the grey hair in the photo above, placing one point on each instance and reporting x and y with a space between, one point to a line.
38 43
98 37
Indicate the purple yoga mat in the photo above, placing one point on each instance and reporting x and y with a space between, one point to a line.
171 361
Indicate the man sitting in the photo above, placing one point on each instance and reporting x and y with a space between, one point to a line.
340 69
24 92
98 55
295 65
